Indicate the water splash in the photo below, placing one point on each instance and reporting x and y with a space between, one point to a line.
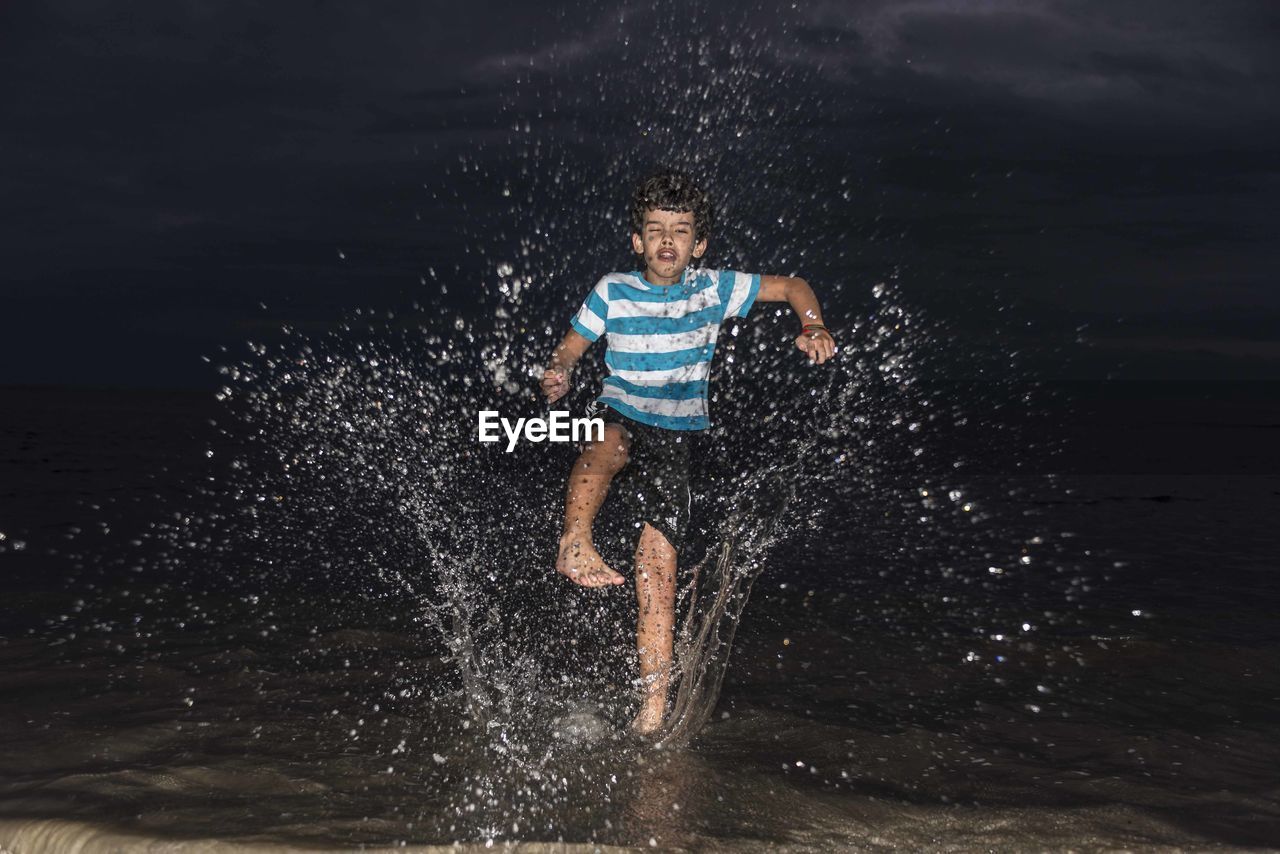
714 599
356 482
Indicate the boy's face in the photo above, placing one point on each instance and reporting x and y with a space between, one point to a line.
667 244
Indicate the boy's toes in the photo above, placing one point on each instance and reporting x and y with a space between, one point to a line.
581 563
605 577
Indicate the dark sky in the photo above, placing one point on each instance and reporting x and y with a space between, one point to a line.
1032 166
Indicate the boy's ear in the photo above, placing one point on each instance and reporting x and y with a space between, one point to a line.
699 248
637 245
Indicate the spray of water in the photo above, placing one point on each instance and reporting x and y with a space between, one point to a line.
357 480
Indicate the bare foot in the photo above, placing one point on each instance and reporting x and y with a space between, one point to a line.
581 563
649 719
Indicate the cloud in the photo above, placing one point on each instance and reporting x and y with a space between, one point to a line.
1174 54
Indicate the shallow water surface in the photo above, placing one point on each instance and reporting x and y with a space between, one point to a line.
1122 698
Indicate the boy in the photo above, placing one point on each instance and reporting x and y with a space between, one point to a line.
661 325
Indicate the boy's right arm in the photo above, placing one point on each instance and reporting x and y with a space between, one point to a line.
555 379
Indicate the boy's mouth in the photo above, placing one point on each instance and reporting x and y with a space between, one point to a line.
668 255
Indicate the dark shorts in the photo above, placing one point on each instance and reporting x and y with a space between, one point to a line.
656 476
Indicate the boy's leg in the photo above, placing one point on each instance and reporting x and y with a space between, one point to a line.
655 628
578 559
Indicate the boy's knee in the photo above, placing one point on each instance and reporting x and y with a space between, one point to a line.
611 452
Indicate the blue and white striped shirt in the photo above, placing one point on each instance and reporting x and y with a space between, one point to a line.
660 340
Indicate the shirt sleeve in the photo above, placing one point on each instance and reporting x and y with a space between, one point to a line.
738 292
590 319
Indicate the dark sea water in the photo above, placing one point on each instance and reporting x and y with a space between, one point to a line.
1117 689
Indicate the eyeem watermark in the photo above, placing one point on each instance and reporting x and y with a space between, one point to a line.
558 428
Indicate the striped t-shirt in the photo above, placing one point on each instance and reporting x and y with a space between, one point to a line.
660 340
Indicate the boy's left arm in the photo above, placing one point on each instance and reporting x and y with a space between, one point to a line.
814 339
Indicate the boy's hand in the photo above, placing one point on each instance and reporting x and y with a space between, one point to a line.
817 344
555 383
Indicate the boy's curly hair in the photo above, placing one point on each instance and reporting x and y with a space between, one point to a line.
673 190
